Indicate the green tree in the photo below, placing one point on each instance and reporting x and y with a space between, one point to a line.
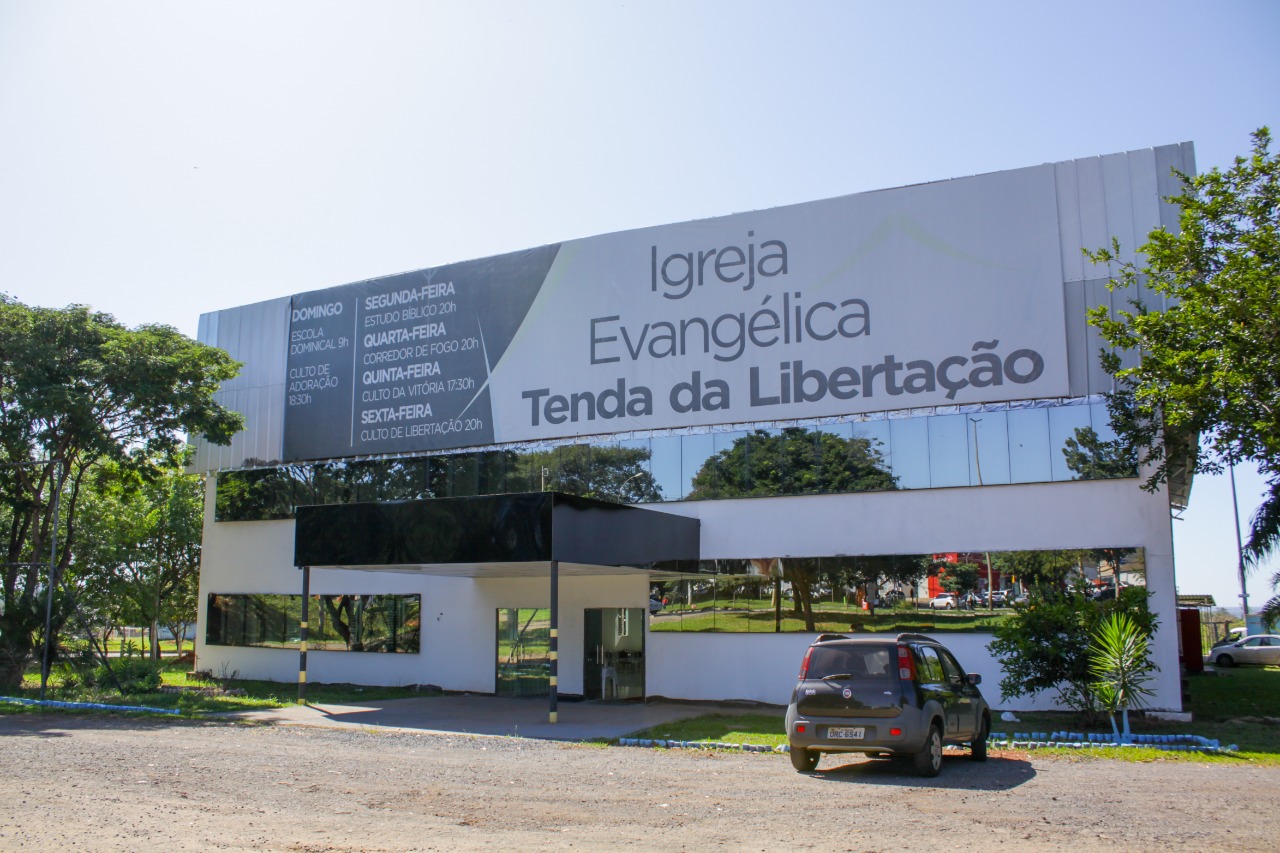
1045 645
77 388
140 539
1210 360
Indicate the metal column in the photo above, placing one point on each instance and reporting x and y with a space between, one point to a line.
555 636
302 635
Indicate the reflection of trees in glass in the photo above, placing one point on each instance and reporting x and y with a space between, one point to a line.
607 472
368 623
1040 570
793 461
1091 458
961 577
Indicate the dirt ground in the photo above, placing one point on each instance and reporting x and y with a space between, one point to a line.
104 784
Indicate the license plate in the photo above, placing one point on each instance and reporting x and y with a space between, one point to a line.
846 733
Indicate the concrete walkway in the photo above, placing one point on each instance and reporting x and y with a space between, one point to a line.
489 715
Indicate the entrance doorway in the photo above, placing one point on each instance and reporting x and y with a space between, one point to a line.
613 660
524 652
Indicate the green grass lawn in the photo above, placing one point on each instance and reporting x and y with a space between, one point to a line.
256 694
1240 706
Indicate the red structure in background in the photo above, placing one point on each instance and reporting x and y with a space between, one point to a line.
1190 642
956 558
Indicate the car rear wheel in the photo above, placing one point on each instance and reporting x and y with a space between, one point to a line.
803 759
979 744
1224 661
928 761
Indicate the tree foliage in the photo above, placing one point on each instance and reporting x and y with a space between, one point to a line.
78 388
139 546
1045 645
1210 364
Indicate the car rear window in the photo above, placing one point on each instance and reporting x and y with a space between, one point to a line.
852 661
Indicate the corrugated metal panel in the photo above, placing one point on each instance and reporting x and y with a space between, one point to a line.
1119 195
1118 202
1144 194
1073 260
1077 331
256 335
1116 196
1096 293
1091 187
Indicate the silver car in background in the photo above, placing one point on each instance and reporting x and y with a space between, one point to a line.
1258 649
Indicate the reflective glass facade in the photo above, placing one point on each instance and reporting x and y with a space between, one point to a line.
881 593
337 623
942 447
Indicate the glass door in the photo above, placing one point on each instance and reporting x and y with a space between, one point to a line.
524 652
613 653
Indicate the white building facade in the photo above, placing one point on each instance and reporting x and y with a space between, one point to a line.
877 377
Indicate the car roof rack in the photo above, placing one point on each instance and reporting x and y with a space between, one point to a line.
822 638
902 638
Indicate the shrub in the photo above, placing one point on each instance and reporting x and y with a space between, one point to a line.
133 672
1045 644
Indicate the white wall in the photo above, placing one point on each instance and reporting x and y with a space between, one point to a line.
763 667
458 614
1092 513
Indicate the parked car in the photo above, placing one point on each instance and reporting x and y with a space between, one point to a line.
1259 649
655 605
904 697
944 601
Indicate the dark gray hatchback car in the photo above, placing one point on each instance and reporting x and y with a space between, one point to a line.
905 697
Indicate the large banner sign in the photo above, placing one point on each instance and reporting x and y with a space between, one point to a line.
936 294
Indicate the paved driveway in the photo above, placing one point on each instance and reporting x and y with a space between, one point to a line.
490 715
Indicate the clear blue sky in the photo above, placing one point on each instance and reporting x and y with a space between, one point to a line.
161 160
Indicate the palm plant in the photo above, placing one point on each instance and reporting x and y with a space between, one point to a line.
1264 537
1120 664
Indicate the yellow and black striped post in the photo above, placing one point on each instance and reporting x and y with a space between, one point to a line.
555 636
302 635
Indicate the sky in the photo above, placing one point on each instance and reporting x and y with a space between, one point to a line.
161 160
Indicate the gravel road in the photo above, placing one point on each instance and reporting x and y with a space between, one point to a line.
105 784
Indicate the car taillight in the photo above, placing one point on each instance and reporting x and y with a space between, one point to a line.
804 664
906 664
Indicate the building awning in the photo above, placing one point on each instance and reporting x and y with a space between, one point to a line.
512 535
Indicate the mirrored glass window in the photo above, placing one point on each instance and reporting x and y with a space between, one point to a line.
989 448
1066 422
909 443
948 451
1029 446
